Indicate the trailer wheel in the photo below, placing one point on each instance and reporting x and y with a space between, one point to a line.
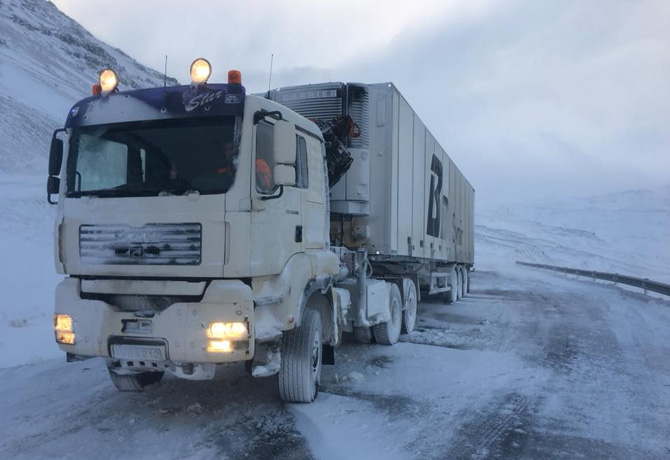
300 371
450 297
134 382
410 306
459 283
363 334
466 281
388 333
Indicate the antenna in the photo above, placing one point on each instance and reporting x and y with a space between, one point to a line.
272 58
165 73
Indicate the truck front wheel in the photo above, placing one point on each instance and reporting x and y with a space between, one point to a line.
301 355
388 333
134 382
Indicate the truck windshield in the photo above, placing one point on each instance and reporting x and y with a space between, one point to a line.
153 158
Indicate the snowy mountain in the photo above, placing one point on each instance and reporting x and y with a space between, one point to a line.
626 232
48 62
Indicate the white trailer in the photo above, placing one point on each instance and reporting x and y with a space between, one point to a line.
195 227
403 198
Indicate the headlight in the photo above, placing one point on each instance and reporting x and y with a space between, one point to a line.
108 81
227 331
63 329
200 71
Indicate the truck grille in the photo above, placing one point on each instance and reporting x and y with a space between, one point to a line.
151 244
324 104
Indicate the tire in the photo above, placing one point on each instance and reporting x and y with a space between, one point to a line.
459 283
388 333
466 282
450 297
410 306
363 334
134 382
300 371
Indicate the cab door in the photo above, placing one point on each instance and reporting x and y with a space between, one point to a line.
315 219
276 214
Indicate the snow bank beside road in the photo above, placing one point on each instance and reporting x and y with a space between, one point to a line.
27 275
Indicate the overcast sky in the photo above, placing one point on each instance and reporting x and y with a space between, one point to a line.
532 99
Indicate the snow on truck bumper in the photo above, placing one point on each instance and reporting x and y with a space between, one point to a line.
180 334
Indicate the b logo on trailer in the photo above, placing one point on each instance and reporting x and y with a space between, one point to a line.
433 222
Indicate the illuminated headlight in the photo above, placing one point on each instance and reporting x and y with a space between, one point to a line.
234 331
200 71
219 346
63 329
108 81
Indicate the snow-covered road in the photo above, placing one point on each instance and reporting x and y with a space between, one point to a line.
530 365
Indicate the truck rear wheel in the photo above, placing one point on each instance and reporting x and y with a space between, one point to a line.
450 296
459 283
134 382
466 282
410 306
301 356
388 333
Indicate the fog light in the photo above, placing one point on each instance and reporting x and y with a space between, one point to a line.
63 329
227 331
66 338
220 346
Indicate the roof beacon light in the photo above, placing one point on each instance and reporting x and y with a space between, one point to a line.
108 81
234 77
200 71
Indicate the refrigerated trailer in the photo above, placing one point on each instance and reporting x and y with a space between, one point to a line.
198 225
403 198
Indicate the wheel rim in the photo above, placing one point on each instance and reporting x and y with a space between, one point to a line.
410 307
396 313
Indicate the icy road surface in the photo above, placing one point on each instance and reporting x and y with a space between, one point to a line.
530 365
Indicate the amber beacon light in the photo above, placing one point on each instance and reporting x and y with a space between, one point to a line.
234 77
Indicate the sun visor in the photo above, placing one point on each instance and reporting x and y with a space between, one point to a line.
158 103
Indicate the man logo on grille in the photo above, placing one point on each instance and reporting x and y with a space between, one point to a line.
136 251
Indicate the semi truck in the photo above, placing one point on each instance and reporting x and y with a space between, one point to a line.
198 225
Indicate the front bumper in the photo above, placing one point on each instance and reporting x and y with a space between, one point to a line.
181 327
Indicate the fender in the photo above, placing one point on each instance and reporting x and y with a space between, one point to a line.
280 300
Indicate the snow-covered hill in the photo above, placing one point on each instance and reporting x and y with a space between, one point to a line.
626 232
48 62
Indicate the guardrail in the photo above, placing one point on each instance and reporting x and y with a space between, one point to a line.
642 283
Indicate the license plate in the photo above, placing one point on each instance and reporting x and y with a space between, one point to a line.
150 353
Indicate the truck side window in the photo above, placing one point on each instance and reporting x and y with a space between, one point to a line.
301 169
264 158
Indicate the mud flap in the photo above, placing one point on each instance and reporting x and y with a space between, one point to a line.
328 354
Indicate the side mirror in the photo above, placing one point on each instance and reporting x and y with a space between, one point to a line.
53 184
284 143
55 163
55 154
285 175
